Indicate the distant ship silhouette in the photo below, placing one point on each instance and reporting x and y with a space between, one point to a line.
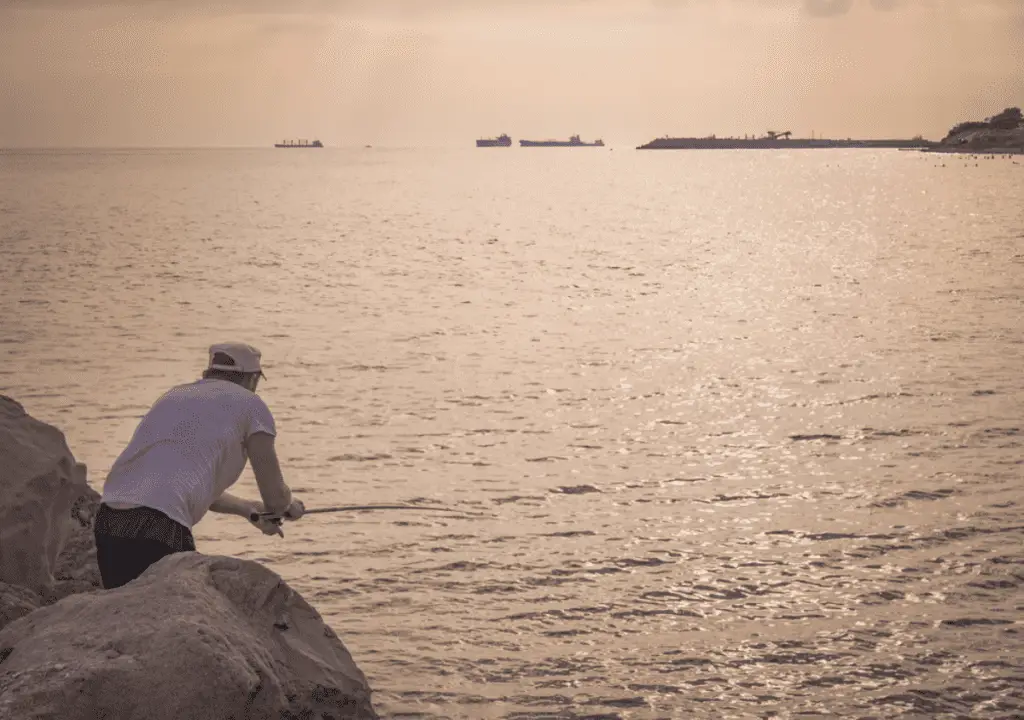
299 144
502 140
573 141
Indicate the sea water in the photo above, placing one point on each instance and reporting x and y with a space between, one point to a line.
745 427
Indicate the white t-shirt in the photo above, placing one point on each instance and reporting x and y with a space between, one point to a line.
188 449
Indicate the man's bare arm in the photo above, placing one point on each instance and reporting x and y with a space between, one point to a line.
265 466
234 505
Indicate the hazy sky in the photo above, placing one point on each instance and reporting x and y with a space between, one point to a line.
443 72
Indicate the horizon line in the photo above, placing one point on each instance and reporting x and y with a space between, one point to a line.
370 146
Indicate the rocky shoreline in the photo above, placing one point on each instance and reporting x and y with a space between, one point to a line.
1001 134
196 636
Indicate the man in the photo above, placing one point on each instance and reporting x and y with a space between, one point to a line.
188 449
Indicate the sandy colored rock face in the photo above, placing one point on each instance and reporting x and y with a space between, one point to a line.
196 636
39 481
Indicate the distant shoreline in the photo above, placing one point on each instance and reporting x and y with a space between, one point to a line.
937 148
949 150
771 143
1001 134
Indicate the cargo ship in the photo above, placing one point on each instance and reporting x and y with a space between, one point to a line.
777 141
299 144
502 140
574 141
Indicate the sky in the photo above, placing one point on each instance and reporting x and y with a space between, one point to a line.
248 73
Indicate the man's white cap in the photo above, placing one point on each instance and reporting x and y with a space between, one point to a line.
243 358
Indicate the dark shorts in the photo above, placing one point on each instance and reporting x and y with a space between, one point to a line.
129 541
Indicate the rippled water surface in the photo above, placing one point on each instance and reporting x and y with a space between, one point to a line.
746 427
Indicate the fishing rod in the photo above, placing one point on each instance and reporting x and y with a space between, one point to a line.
278 517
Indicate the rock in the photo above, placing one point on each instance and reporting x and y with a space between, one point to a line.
16 602
195 636
76 570
39 481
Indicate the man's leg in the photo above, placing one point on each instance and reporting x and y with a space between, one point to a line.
121 560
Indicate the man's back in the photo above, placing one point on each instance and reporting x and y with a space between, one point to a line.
188 449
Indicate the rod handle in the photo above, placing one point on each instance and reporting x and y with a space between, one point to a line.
273 517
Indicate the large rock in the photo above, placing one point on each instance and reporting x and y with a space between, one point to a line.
39 482
76 570
195 636
15 602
